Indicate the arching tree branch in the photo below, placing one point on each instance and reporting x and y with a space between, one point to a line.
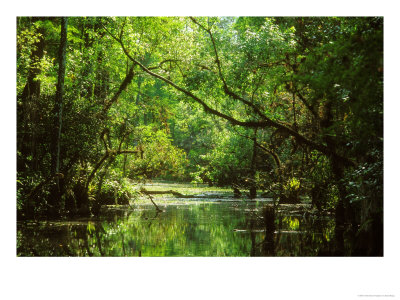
266 122
122 87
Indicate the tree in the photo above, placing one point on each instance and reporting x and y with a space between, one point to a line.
287 105
308 78
58 111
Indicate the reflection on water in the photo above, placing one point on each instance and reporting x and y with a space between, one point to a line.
189 228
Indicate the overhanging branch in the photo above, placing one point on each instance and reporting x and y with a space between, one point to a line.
266 122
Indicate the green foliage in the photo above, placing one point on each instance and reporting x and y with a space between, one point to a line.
118 191
227 162
156 156
293 184
292 222
26 40
313 85
365 185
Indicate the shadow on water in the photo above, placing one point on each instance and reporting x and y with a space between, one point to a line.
186 228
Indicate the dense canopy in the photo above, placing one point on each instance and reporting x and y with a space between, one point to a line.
288 107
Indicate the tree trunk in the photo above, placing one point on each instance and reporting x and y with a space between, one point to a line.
253 188
337 171
58 109
342 210
27 112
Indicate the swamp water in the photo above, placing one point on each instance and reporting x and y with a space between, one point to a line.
211 224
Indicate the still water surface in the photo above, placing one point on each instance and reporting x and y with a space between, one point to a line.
186 227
